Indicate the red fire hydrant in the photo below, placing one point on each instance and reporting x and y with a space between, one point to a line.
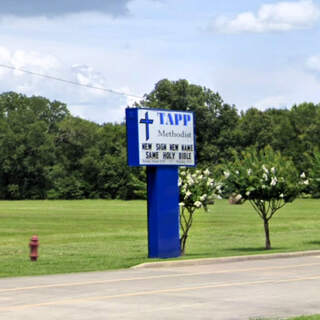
34 244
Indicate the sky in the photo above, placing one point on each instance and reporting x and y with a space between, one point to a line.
263 54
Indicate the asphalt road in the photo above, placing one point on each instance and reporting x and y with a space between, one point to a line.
279 287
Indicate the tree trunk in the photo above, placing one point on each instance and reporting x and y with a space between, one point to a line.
266 230
185 224
183 241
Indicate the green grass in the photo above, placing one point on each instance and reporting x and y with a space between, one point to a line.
90 235
314 317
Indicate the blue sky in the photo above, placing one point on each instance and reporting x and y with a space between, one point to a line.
254 53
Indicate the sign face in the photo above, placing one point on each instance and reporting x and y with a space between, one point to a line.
160 137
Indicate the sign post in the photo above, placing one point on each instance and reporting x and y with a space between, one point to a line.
162 140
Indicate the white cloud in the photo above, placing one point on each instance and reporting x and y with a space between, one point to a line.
264 89
131 97
313 63
273 102
87 76
92 104
20 59
30 60
281 16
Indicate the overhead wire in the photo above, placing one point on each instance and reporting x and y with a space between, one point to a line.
70 81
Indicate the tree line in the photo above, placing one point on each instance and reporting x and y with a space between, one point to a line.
46 153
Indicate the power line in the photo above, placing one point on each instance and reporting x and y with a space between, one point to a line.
70 82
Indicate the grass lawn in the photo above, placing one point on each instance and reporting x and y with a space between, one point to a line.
314 317
90 235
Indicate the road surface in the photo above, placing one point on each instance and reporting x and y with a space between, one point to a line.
225 290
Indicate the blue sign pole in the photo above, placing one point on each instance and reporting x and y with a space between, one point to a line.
162 140
163 212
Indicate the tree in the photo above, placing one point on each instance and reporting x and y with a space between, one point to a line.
254 129
305 119
314 174
282 134
197 190
76 170
266 179
116 179
26 143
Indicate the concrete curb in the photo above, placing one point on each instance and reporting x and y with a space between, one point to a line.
205 261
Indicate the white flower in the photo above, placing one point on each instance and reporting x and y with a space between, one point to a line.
237 172
179 182
190 181
273 181
206 172
188 194
249 171
203 197
265 176
281 195
210 182
306 182
248 193
226 174
181 204
303 175
265 169
273 170
198 204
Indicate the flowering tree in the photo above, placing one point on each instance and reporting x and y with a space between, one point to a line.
267 180
197 190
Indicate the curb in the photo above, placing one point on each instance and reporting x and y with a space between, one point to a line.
206 261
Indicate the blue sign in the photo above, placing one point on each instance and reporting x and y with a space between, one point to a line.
160 137
162 140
